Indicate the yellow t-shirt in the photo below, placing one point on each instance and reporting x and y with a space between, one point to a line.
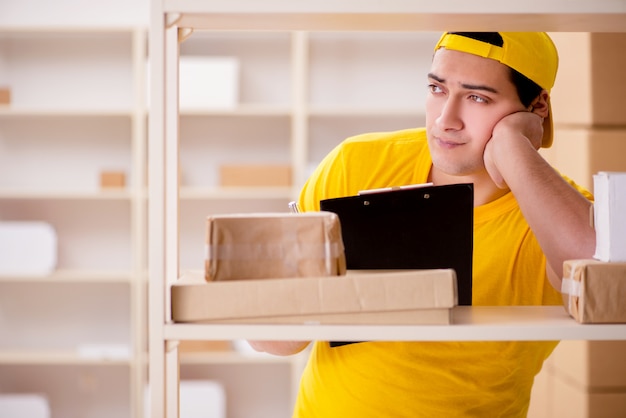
429 379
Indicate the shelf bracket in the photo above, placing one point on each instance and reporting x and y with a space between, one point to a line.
171 345
183 34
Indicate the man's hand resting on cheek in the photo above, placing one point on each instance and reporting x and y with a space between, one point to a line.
512 131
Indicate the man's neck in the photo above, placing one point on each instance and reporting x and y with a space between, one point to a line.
485 190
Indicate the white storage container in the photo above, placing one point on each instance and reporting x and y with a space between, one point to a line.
27 248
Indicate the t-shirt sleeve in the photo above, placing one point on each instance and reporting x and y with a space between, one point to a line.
327 181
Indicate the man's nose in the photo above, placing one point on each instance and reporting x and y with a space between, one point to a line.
450 115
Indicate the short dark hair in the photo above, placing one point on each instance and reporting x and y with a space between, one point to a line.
527 90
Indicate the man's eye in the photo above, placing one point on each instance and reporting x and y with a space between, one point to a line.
433 88
477 99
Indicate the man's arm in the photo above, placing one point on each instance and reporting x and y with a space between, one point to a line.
556 212
279 348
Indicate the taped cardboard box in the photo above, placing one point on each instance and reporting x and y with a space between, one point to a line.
273 245
385 297
594 291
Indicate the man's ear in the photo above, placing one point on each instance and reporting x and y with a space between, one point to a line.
540 105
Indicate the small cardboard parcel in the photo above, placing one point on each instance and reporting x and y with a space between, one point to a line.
594 291
369 297
273 245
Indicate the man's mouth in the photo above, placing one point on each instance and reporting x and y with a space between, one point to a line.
448 143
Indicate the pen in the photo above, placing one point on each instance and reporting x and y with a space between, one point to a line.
293 207
391 189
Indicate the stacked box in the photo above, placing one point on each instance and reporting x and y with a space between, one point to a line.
588 379
372 297
273 245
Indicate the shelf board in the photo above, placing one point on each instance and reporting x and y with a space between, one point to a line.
72 276
355 111
18 194
477 323
63 28
55 357
15 112
217 193
400 15
261 110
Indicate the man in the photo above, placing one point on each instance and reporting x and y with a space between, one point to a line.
487 114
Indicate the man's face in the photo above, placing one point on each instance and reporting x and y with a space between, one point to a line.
467 96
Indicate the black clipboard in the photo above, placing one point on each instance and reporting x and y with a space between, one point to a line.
426 227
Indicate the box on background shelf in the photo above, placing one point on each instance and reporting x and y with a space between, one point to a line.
5 96
112 179
255 175
201 346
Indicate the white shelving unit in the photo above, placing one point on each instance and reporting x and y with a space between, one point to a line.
77 108
301 93
174 20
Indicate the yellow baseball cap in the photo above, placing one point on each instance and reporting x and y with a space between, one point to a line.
532 54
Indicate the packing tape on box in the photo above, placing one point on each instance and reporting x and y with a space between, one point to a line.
570 286
328 251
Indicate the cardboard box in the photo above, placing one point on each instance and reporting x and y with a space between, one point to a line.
193 346
273 245
255 175
572 401
112 179
594 291
585 92
610 216
592 365
386 297
582 152
5 96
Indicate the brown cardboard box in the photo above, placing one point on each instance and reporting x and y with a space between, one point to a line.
585 91
392 297
580 152
581 379
255 175
5 96
192 346
273 245
592 365
573 401
112 179
594 291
